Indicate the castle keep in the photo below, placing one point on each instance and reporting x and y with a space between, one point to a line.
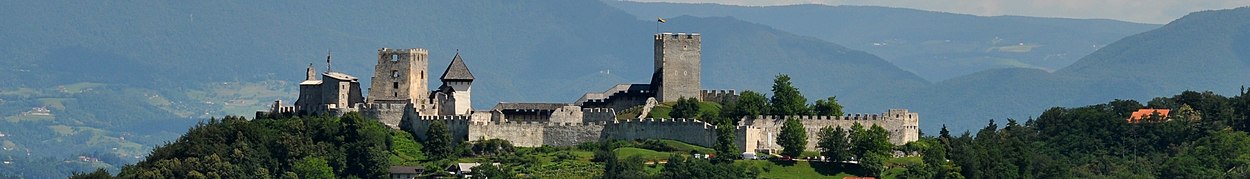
399 92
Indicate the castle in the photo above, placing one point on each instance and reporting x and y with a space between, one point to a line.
399 92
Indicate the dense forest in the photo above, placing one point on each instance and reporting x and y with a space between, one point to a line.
234 147
1203 137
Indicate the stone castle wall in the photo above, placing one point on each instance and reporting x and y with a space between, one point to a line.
593 115
388 113
902 125
719 96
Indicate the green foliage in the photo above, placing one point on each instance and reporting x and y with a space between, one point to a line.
313 167
726 150
99 173
314 147
438 142
368 146
750 103
793 138
630 167
486 170
1224 153
491 147
828 107
685 108
405 150
682 167
1195 141
834 144
787 100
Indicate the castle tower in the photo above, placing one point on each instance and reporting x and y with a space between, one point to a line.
677 66
400 77
457 83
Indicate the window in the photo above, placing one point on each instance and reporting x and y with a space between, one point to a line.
394 73
394 57
395 85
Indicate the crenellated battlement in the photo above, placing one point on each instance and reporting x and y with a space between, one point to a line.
403 50
719 95
598 110
465 118
679 35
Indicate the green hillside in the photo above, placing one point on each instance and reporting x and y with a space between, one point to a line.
1208 50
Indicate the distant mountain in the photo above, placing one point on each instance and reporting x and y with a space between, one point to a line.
1202 51
934 45
1207 50
139 70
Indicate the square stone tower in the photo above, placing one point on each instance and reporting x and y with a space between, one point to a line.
677 66
400 77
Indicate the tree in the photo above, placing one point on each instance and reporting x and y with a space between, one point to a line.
873 163
682 167
685 108
313 167
793 138
438 142
726 150
833 144
630 167
368 147
787 100
828 107
485 170
750 103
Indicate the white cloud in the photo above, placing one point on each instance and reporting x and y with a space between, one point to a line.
1146 11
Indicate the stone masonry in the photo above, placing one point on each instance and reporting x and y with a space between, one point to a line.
400 92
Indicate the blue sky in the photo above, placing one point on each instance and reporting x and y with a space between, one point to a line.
1144 11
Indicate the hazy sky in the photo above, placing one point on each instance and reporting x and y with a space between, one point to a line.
1145 11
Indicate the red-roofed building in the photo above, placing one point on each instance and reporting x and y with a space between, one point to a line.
1142 114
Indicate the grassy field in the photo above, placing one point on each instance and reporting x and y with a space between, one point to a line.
798 169
649 155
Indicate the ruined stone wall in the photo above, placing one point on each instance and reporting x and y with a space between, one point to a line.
566 114
570 134
458 125
536 134
521 134
401 74
719 96
685 130
902 125
598 115
388 113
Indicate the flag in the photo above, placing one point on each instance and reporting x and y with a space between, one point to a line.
661 20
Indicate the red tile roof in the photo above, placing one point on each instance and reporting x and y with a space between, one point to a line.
1140 114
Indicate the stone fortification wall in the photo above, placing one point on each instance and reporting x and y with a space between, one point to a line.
388 113
535 134
566 114
719 96
685 130
458 125
593 115
619 97
902 125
